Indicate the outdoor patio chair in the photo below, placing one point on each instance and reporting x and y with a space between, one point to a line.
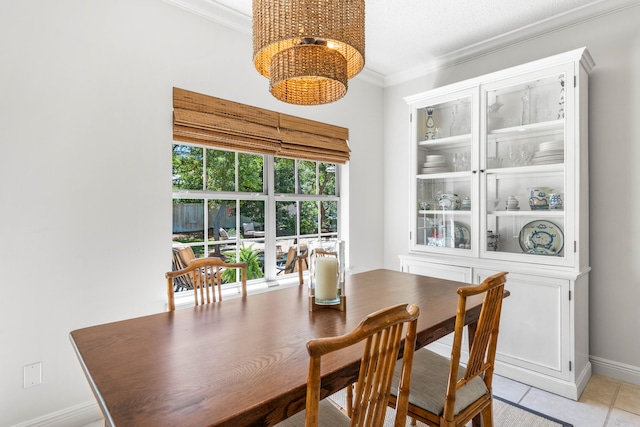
225 236
247 230
181 258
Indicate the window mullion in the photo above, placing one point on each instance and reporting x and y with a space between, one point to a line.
206 203
319 202
237 169
270 219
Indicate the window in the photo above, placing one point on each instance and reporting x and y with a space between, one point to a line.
260 209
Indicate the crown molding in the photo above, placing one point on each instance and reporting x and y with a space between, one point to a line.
217 13
503 41
370 76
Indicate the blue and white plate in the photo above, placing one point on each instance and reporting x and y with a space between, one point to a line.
542 238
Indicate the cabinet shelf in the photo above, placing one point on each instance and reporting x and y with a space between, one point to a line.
533 170
529 130
538 214
445 212
449 141
463 174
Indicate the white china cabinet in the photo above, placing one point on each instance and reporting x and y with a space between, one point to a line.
499 182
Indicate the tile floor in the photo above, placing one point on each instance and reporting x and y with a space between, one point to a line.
605 402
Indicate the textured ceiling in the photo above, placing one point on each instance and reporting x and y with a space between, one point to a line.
406 34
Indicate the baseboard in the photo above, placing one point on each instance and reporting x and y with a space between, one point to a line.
617 370
74 416
599 366
541 381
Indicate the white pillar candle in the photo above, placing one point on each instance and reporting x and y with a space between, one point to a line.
326 278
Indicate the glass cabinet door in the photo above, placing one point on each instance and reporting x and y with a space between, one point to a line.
524 180
444 158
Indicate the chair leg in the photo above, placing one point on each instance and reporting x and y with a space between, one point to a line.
413 421
349 400
487 416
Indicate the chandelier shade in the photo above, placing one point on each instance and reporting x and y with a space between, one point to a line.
296 45
308 75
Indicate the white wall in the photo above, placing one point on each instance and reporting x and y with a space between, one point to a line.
85 157
614 142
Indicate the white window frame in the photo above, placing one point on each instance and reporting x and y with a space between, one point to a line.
269 197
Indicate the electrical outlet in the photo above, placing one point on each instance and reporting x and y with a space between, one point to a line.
32 374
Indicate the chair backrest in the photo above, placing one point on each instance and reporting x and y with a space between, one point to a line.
302 264
223 234
247 229
290 262
205 275
382 333
182 256
483 348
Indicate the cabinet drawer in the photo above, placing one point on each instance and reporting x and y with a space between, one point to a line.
441 271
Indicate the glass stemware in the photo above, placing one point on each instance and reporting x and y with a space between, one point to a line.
454 128
465 160
456 161
525 107
513 152
527 152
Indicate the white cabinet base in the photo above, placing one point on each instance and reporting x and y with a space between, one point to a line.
544 332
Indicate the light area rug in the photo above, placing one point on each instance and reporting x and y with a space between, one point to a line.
505 414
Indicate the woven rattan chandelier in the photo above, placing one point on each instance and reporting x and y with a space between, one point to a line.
308 49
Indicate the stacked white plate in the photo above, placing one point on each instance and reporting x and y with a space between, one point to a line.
436 163
549 152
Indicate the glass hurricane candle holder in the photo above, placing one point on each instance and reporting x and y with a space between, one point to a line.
326 271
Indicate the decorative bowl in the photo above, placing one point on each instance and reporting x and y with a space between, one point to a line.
512 203
448 201
539 197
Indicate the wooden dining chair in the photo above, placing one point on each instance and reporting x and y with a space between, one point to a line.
444 393
382 333
302 265
205 275
295 261
289 264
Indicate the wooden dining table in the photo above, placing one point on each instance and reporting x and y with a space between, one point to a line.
243 361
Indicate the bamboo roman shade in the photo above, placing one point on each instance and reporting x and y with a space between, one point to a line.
220 123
